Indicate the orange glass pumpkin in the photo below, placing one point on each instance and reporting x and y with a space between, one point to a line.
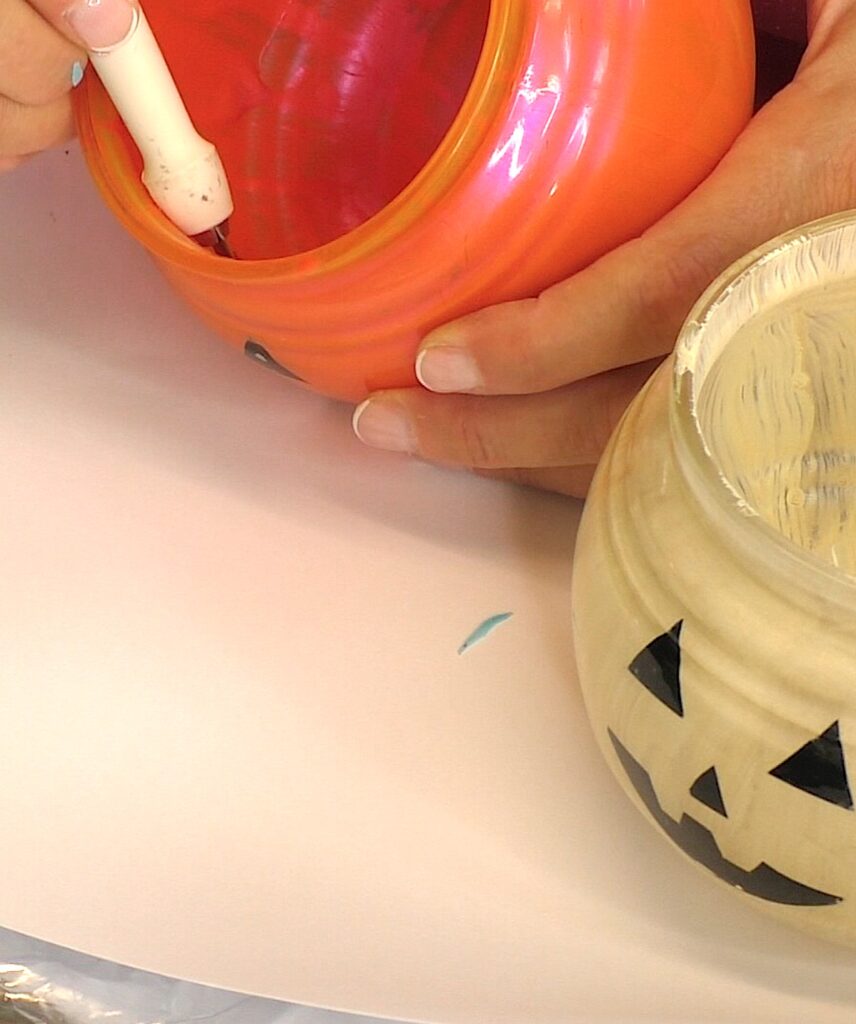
396 163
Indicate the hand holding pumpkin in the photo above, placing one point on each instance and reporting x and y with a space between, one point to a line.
531 390
42 44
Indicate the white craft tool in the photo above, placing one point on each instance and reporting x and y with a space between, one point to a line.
182 171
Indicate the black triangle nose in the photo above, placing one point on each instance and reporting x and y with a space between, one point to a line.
706 790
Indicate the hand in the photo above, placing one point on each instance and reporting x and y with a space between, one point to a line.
531 390
42 57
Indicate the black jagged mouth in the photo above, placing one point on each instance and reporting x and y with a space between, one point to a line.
698 843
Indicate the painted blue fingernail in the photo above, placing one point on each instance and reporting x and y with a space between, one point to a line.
77 70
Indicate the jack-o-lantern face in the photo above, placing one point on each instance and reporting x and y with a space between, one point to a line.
817 768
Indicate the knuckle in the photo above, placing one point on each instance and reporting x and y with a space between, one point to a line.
478 443
45 90
670 284
47 75
624 389
39 94
37 61
25 130
824 153
540 319
836 182
587 443
506 338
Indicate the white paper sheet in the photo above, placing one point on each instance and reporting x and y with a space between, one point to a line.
240 746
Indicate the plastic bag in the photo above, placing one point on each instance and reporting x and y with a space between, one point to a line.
45 984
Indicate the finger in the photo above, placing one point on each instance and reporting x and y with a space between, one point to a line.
26 130
824 16
573 481
565 427
92 24
37 63
790 166
9 163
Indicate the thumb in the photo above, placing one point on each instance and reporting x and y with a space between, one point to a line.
790 165
91 24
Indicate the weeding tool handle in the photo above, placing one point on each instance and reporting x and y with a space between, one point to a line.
182 171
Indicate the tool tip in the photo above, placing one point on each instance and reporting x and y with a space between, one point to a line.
216 238
221 245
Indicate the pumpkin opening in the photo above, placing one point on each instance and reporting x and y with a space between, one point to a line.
322 111
776 405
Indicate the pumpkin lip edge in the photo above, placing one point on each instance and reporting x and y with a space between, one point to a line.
505 36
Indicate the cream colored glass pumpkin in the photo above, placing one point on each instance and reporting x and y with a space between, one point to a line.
715 585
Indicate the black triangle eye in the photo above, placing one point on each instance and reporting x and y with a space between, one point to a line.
706 790
818 768
658 668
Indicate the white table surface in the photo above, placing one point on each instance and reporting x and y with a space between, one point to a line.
239 744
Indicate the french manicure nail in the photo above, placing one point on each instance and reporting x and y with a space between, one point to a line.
446 369
382 425
101 24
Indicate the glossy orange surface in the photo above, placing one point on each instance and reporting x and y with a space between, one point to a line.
396 163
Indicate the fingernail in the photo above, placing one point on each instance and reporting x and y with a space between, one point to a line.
77 70
444 368
101 24
382 425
